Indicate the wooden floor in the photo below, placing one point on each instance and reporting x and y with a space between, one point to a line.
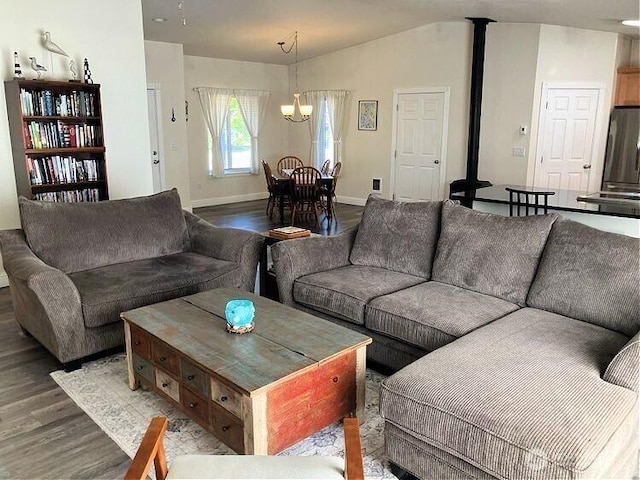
43 433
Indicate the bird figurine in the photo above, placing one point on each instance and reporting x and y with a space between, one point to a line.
51 46
73 70
36 67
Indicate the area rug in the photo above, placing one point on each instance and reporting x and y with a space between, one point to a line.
100 389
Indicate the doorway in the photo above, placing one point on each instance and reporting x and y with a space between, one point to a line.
566 154
155 138
419 143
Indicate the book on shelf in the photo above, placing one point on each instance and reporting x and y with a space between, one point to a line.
69 196
49 103
289 232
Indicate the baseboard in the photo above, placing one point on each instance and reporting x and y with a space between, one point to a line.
4 280
209 202
352 200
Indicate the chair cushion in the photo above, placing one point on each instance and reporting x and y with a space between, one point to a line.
105 292
490 254
522 391
590 275
80 236
345 291
397 236
422 315
188 467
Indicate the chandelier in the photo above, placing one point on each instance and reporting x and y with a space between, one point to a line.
289 112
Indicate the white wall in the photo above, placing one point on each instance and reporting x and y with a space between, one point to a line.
434 55
273 141
635 52
165 68
109 34
575 56
510 69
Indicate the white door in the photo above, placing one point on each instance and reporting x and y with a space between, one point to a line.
419 146
154 136
565 151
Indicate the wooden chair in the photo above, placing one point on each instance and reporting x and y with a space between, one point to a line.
288 163
326 167
529 199
329 195
305 193
271 188
151 449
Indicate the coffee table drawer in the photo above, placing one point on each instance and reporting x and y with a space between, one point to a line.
140 342
194 405
165 357
168 385
227 428
142 368
194 378
226 397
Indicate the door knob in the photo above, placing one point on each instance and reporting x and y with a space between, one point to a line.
154 152
586 167
436 162
155 162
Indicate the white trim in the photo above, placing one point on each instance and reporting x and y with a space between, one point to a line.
4 280
156 89
445 134
352 200
597 164
208 202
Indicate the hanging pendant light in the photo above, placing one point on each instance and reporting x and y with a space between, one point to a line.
303 112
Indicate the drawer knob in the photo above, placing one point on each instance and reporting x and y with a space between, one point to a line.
140 367
335 379
162 359
190 377
165 385
225 428
223 399
137 342
192 405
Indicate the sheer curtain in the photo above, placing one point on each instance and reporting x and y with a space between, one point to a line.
215 105
336 109
314 98
253 104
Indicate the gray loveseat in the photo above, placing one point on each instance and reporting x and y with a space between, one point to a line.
75 266
516 339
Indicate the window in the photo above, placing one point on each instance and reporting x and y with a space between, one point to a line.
235 142
325 149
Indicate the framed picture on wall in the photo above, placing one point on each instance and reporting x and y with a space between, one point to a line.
367 115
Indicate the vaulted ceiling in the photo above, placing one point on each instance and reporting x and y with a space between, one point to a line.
250 29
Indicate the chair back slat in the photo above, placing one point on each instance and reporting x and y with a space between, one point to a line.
528 200
326 167
288 163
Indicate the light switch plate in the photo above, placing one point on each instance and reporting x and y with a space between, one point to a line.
518 151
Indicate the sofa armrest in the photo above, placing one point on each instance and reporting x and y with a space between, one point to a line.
242 247
53 289
296 258
624 369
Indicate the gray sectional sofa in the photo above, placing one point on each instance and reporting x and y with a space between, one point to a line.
515 340
73 267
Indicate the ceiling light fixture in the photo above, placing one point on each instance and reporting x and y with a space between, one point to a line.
289 111
159 19
181 9
631 23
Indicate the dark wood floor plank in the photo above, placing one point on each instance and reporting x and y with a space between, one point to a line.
43 433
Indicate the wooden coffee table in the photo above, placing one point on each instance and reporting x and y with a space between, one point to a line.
259 392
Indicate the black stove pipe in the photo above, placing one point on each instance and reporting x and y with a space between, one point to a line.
475 109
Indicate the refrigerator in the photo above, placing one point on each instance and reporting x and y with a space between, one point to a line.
622 158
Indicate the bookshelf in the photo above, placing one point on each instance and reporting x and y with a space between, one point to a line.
57 140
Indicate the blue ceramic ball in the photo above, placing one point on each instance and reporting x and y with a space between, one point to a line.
239 313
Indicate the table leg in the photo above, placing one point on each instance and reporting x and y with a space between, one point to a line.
361 381
281 208
133 384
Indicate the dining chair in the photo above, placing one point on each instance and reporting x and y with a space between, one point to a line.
305 193
271 188
529 199
151 450
329 199
326 167
288 163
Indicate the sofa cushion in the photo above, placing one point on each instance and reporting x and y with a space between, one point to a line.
80 236
490 254
345 291
105 292
624 369
590 275
522 392
397 236
432 314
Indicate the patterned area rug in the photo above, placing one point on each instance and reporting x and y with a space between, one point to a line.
100 389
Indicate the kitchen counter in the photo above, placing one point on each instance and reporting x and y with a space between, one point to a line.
562 201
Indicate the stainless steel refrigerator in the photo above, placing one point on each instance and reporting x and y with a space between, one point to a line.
622 159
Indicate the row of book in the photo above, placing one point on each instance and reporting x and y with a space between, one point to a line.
58 169
84 195
46 102
39 135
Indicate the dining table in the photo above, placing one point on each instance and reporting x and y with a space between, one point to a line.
283 188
